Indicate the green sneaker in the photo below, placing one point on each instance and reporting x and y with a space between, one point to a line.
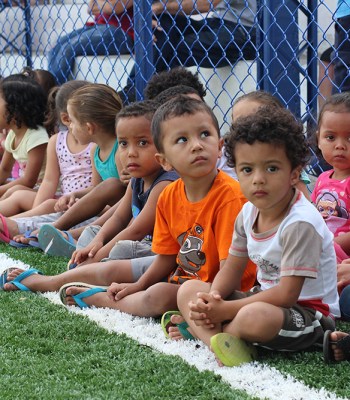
232 351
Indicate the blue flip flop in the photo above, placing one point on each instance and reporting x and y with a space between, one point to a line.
78 298
17 281
30 244
53 243
166 324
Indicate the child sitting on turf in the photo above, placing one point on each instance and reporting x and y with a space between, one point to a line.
128 232
296 300
331 193
68 167
23 105
194 223
92 110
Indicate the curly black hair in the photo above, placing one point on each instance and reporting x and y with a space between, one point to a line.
25 101
279 128
166 79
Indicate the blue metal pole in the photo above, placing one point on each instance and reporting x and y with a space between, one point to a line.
278 70
143 45
28 33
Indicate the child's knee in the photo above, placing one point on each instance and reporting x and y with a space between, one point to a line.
189 290
252 314
160 298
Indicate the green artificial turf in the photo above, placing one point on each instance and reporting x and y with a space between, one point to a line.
47 352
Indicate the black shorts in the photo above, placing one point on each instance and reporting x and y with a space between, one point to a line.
302 327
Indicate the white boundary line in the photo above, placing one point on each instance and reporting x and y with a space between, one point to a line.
270 385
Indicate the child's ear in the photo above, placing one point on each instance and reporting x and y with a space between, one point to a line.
295 175
65 118
160 157
221 145
90 128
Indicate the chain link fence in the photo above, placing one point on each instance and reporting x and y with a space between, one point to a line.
277 46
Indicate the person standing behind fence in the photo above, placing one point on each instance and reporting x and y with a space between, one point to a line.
111 33
342 47
219 38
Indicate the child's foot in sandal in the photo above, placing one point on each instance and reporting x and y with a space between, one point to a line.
336 346
175 327
231 351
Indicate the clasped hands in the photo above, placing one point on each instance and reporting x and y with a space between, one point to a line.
208 310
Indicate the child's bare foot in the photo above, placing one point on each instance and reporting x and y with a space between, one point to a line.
12 273
25 238
174 331
340 353
84 295
11 279
175 327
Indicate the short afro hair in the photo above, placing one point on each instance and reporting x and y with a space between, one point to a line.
166 79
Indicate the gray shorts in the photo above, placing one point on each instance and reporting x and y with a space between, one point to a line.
30 224
302 328
140 265
123 250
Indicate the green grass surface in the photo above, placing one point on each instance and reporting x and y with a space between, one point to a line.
49 353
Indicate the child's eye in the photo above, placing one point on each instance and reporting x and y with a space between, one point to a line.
181 139
122 143
142 142
205 134
246 170
330 137
272 169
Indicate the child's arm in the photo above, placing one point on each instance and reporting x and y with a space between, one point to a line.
161 267
135 229
141 226
48 187
343 274
6 166
35 161
116 223
97 7
124 175
344 241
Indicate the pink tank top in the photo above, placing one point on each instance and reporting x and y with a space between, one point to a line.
75 169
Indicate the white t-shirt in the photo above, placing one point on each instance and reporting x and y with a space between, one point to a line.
301 245
32 138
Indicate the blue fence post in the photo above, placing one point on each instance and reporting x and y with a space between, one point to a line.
279 39
143 44
312 60
279 68
28 33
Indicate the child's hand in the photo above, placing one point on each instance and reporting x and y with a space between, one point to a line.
65 202
117 291
124 177
89 251
203 311
343 273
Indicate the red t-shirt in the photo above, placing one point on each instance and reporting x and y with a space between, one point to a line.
123 20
